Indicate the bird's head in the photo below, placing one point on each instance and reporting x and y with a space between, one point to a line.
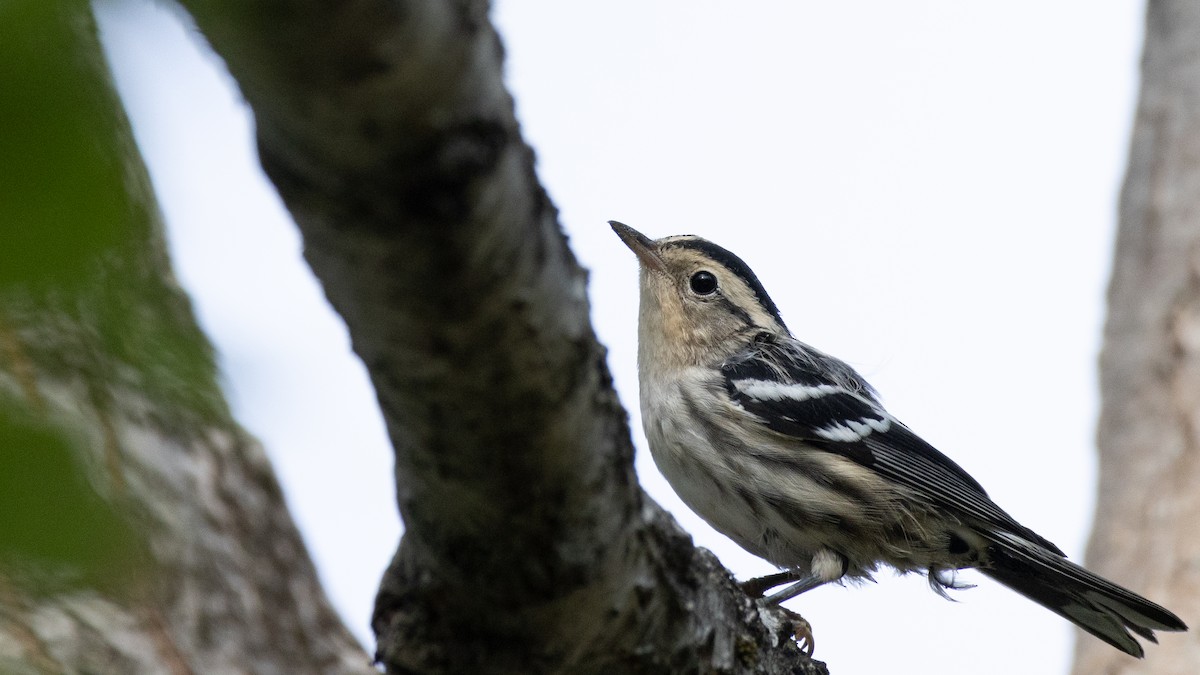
695 298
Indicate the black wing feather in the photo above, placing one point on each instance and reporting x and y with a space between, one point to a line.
890 449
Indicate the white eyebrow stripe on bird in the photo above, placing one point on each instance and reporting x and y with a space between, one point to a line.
852 431
767 390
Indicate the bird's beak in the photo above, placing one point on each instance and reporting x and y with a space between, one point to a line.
641 245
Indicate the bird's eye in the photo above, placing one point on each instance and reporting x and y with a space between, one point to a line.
704 283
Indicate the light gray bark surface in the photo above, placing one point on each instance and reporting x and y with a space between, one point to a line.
1147 529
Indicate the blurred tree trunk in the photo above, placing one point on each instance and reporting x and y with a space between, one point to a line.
529 545
1147 529
141 529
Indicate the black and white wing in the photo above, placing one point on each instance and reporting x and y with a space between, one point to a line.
800 392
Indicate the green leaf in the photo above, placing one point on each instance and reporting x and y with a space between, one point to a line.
62 191
53 525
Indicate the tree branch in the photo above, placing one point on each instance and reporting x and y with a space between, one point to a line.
529 545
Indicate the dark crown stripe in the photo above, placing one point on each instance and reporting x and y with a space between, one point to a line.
736 265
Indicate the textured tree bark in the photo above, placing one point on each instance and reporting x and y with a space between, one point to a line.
100 355
529 546
1147 531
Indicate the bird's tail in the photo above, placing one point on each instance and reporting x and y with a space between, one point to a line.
1096 605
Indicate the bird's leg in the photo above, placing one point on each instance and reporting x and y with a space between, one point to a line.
801 629
826 566
805 583
755 588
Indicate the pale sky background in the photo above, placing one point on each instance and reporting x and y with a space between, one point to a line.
926 188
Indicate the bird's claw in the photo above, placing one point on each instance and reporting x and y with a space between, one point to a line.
801 632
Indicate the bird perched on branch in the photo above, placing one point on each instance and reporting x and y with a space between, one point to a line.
789 452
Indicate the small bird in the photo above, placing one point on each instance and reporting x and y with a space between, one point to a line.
789 452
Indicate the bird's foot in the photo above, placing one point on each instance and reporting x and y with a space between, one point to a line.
801 632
